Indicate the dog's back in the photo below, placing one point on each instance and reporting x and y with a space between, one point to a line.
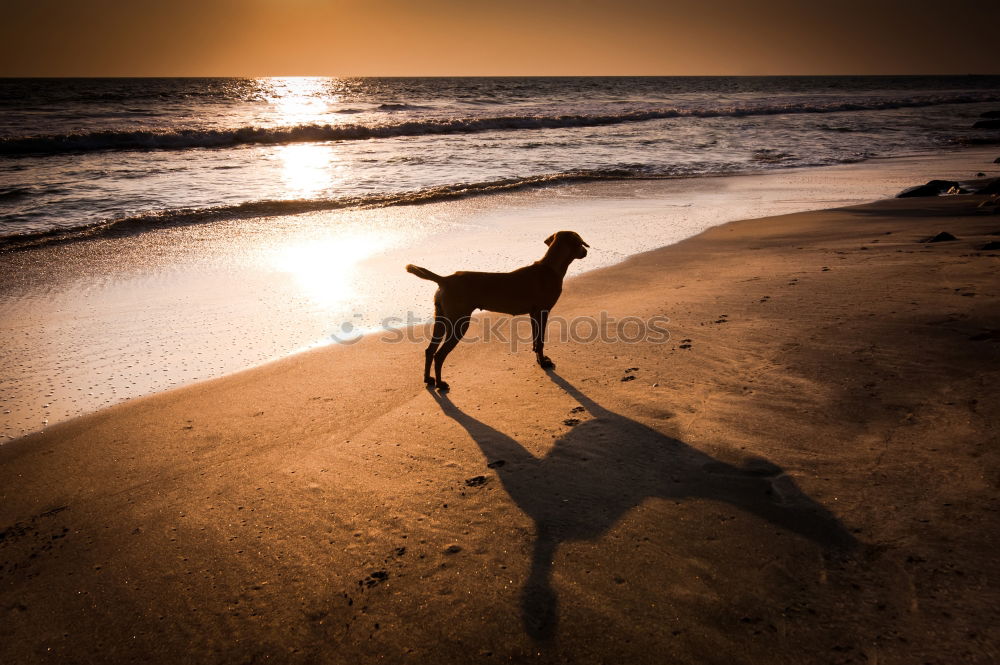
525 290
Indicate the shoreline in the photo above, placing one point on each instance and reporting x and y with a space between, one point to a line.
811 479
165 219
103 321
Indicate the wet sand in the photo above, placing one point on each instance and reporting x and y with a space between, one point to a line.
806 472
91 324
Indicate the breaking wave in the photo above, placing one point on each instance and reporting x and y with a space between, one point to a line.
182 217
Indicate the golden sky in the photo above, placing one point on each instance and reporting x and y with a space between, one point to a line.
495 37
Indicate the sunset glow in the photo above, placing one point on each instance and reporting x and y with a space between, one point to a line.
448 37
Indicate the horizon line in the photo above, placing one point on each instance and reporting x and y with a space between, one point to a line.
345 76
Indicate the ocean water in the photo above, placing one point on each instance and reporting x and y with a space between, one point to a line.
94 155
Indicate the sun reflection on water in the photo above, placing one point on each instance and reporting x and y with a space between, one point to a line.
300 99
326 268
308 169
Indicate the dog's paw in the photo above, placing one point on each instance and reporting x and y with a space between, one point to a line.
429 381
443 387
546 363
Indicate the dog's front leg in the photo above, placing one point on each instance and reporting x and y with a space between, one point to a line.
539 320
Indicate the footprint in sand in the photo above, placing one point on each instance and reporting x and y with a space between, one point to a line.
374 578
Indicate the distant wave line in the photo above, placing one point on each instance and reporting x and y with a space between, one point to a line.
312 133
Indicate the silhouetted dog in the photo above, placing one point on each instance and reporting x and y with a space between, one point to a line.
531 290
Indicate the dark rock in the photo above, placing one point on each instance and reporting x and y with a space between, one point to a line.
496 465
991 246
577 409
631 369
987 124
997 160
453 549
944 236
571 422
990 114
980 175
476 481
991 188
932 188
628 378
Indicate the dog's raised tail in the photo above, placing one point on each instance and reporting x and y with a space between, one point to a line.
423 273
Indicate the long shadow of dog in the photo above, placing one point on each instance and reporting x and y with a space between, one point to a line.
609 464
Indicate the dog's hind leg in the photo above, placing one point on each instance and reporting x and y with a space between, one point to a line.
437 334
456 329
539 321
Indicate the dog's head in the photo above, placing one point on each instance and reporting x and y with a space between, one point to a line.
571 240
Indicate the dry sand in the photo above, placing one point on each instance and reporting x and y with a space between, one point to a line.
806 473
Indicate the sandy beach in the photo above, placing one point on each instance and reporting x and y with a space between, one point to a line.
90 324
805 472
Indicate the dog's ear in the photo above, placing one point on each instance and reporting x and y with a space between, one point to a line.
550 239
